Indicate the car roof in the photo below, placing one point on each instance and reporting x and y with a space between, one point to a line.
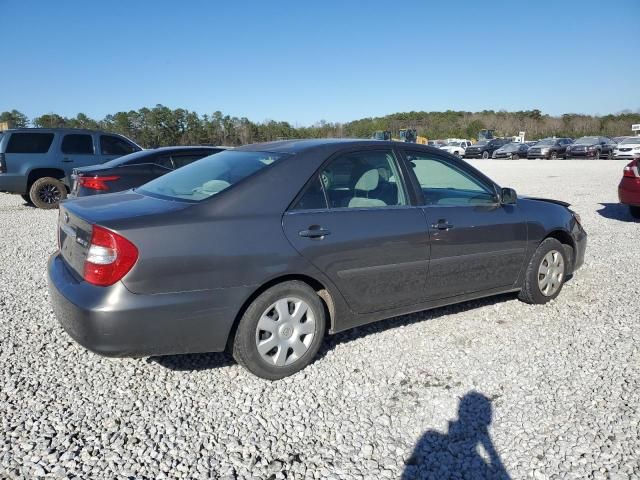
184 147
304 145
64 129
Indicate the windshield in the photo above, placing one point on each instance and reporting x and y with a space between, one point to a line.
512 146
587 140
210 175
625 141
546 141
481 143
453 144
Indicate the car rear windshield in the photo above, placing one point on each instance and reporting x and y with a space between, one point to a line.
210 175
29 142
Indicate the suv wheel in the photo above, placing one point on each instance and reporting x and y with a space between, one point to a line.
281 331
485 155
553 155
47 192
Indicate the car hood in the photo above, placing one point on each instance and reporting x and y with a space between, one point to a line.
582 144
548 200
113 207
628 145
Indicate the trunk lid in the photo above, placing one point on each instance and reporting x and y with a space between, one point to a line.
77 217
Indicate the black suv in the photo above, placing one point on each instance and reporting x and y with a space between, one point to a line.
550 148
592 147
485 148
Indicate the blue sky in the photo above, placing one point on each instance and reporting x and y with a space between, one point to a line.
304 61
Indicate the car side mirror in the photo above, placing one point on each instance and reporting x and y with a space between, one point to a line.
508 196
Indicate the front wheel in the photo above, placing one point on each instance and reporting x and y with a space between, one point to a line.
47 192
515 156
596 156
553 155
610 156
485 155
281 331
634 211
545 273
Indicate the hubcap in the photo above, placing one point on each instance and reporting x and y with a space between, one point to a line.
285 331
49 193
551 273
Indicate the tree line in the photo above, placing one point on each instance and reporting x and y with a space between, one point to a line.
162 126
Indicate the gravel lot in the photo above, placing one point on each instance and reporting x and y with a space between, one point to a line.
558 385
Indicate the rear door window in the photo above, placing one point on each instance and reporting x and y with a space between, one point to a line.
111 145
77 144
29 143
365 179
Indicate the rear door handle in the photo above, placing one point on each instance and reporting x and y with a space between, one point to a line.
442 225
314 231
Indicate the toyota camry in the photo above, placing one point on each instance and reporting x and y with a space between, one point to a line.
266 249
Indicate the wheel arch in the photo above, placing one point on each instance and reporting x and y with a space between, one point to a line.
567 241
37 173
315 284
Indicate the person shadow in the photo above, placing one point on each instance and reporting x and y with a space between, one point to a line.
464 452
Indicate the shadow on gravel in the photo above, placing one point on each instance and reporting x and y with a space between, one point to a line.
194 361
464 452
359 332
616 211
206 361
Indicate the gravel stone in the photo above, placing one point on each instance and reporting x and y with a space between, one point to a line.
547 391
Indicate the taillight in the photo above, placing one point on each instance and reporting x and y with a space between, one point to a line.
631 170
97 182
3 165
110 257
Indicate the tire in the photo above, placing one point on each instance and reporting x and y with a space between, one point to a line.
597 155
532 290
553 155
27 199
457 154
263 315
634 211
485 155
515 156
610 155
47 192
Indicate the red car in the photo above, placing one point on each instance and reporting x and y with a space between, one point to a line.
629 188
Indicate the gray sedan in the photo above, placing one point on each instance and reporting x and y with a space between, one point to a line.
267 248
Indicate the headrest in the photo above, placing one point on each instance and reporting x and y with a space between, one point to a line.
368 181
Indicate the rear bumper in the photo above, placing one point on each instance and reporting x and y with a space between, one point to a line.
114 322
629 191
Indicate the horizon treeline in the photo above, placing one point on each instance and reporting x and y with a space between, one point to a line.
163 126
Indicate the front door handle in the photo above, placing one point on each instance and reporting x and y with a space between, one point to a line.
314 231
442 225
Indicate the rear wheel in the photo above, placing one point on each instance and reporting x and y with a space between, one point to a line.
47 192
634 211
456 153
545 273
485 155
281 331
